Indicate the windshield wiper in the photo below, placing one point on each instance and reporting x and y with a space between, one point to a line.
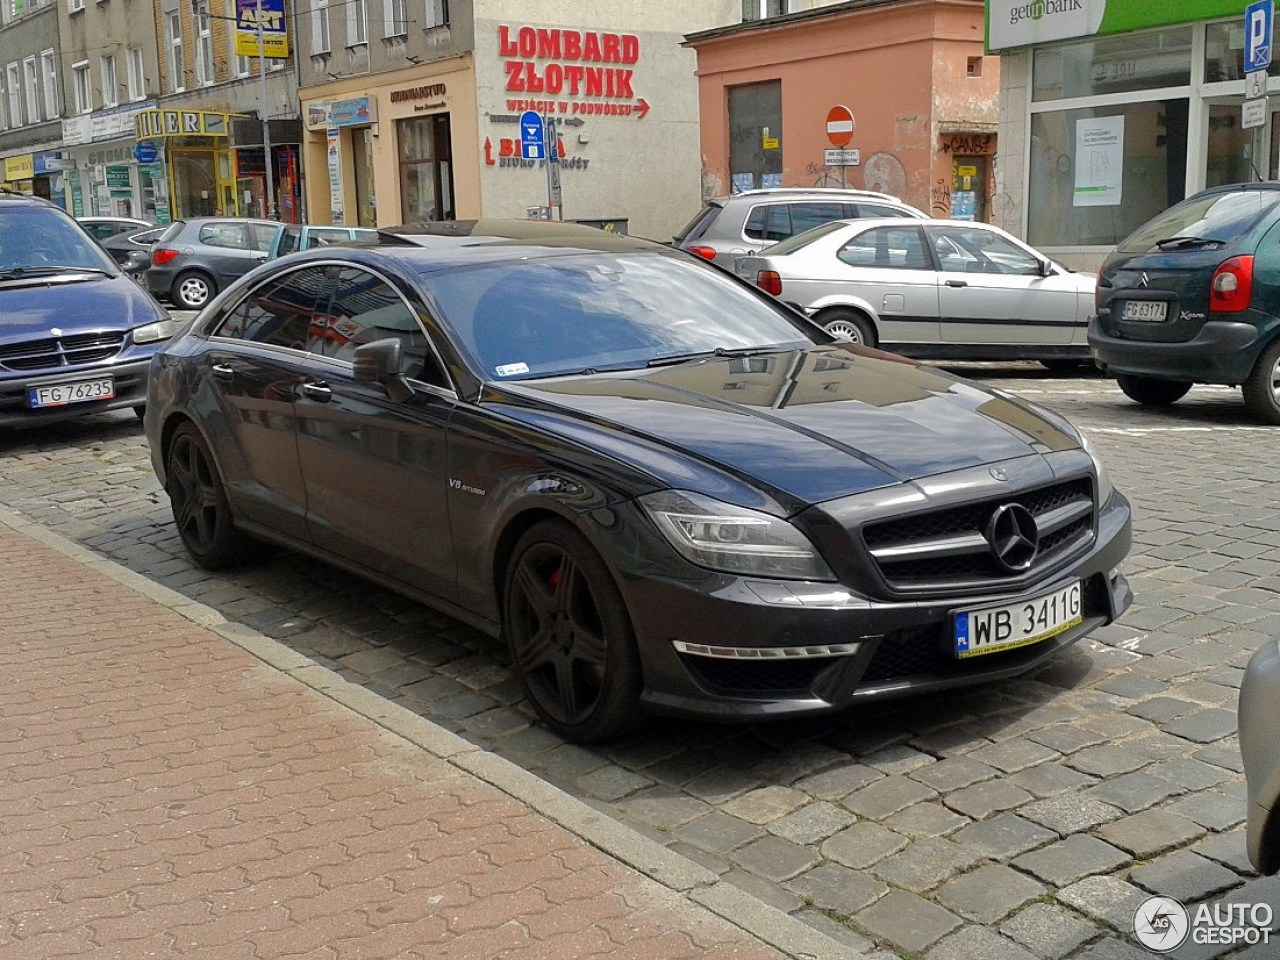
47 270
707 354
1180 242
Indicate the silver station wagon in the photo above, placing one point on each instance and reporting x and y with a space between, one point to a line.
931 289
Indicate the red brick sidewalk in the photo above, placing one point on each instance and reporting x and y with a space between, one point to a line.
163 793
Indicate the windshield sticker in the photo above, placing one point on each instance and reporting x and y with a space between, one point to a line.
511 369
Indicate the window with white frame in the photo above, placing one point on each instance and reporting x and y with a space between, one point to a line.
437 13
4 114
204 46
319 26
82 86
74 5
395 18
31 84
110 93
763 9
49 78
177 74
357 23
13 89
241 65
136 76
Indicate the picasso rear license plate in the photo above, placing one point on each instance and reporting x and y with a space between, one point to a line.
1152 311
80 391
990 629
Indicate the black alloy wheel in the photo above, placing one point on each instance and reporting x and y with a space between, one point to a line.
570 638
200 509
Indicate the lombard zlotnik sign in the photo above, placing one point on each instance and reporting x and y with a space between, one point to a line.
1017 23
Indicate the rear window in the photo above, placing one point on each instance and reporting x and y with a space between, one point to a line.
1218 217
696 227
172 231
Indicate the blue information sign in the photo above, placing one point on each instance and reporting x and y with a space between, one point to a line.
144 151
1257 35
532 144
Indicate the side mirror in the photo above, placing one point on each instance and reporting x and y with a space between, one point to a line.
1046 268
380 362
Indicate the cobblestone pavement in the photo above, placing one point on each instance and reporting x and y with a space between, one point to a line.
1026 819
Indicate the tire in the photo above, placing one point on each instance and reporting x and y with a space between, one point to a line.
571 640
1262 389
851 326
199 499
192 289
1151 392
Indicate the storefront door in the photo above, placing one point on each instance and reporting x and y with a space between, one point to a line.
362 166
1230 154
426 168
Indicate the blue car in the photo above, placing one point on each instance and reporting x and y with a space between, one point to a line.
303 236
76 333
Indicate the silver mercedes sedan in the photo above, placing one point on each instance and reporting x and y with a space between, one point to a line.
932 289
1260 748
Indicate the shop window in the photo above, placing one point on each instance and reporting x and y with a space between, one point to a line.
755 135
1134 61
1101 172
1224 52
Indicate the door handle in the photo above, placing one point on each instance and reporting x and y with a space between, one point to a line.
957 283
318 391
222 371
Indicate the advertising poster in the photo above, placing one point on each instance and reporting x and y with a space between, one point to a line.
275 35
1099 162
334 153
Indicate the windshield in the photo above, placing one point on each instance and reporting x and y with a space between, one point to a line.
37 236
1217 217
552 316
804 239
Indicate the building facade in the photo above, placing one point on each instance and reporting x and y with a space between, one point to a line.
412 112
1122 108
31 100
912 73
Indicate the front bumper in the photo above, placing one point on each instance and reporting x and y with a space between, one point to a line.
130 377
823 648
1223 351
1259 747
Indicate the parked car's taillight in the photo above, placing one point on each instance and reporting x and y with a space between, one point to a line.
162 255
1097 293
769 282
1232 286
706 253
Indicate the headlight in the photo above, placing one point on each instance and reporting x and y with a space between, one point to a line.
162 330
1105 489
734 539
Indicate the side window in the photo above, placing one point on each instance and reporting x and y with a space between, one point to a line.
869 210
365 309
288 241
280 313
231 235
320 236
778 222
264 234
966 250
806 216
755 222
893 248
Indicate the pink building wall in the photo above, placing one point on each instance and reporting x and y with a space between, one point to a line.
904 69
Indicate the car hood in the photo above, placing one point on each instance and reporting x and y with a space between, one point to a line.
800 426
103 303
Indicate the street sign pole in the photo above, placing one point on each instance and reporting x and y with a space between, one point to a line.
269 200
554 196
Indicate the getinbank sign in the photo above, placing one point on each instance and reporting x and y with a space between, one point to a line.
1018 23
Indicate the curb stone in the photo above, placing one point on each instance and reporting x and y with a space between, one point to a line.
785 933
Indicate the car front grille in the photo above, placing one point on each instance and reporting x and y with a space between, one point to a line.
947 549
756 678
55 352
927 652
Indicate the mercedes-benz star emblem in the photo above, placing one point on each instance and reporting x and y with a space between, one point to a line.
999 473
55 332
1014 537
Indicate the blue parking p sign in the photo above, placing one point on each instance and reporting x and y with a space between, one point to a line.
1257 35
532 144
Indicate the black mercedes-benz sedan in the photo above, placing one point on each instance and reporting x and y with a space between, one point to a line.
663 489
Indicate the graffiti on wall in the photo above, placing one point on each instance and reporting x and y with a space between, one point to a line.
969 144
